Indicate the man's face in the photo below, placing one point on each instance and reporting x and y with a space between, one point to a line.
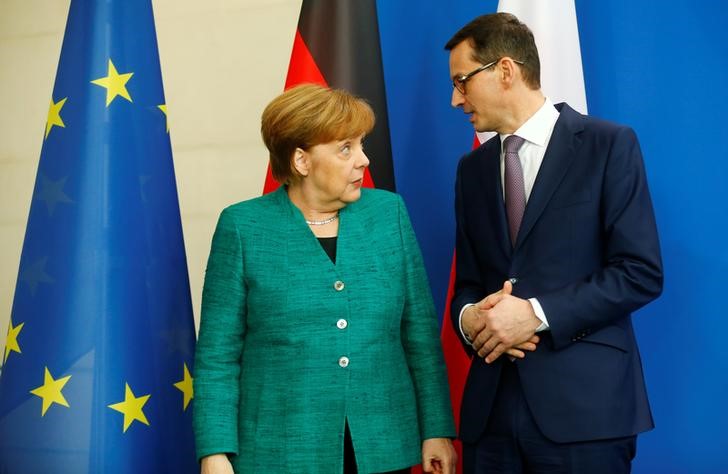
482 97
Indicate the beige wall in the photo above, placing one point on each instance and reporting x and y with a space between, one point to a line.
222 61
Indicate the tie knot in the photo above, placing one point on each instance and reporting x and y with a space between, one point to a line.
513 143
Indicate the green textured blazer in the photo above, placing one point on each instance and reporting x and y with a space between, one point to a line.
292 346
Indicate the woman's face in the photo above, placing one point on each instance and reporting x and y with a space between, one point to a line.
335 170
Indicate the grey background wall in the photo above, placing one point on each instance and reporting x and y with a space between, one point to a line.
222 61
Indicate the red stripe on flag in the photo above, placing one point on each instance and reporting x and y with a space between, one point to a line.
368 181
303 68
270 183
476 142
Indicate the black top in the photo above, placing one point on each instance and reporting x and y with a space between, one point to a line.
329 245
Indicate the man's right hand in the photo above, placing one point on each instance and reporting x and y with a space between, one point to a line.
216 464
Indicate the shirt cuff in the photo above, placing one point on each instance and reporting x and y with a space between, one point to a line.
539 314
460 323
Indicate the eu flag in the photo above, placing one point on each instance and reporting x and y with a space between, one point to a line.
97 374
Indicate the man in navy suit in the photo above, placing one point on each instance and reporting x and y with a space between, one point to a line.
556 205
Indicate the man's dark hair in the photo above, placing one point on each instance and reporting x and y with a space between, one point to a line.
501 34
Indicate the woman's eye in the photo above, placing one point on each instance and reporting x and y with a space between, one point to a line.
346 149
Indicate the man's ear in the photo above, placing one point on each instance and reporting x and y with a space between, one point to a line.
301 161
507 70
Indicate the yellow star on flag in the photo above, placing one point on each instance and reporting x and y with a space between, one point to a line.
54 115
114 83
185 385
163 108
131 407
11 343
50 391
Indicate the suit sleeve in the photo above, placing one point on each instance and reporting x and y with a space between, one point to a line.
467 274
631 275
220 344
421 341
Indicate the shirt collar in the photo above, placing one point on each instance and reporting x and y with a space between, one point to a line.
537 129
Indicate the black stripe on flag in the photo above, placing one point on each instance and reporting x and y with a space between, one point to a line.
343 38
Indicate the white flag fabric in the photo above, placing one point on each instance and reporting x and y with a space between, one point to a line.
555 28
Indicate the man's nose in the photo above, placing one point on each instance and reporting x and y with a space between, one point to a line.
457 99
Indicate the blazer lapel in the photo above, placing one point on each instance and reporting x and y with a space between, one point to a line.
559 156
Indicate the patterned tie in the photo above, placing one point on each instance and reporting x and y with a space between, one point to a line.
515 188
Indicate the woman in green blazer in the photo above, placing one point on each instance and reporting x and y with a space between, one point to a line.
319 345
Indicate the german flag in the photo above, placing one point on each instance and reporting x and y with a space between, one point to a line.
337 46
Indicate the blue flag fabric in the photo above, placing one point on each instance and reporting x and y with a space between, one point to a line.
97 374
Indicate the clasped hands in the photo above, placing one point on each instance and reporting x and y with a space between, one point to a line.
501 323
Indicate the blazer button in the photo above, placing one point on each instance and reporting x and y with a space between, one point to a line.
344 362
339 285
341 324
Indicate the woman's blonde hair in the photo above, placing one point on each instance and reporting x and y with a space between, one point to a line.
308 115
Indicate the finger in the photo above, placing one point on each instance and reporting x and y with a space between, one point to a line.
450 467
495 298
477 347
484 347
526 346
488 347
478 343
481 338
491 300
427 464
515 353
495 353
535 339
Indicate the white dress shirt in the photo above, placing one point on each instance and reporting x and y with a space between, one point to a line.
536 132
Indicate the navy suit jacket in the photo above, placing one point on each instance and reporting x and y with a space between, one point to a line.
588 251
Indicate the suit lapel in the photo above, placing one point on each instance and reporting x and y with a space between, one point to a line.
559 156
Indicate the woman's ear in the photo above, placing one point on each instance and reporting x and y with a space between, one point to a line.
301 161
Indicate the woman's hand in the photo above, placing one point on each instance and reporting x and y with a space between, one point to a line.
439 456
217 464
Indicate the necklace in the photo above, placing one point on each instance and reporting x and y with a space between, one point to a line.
323 221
